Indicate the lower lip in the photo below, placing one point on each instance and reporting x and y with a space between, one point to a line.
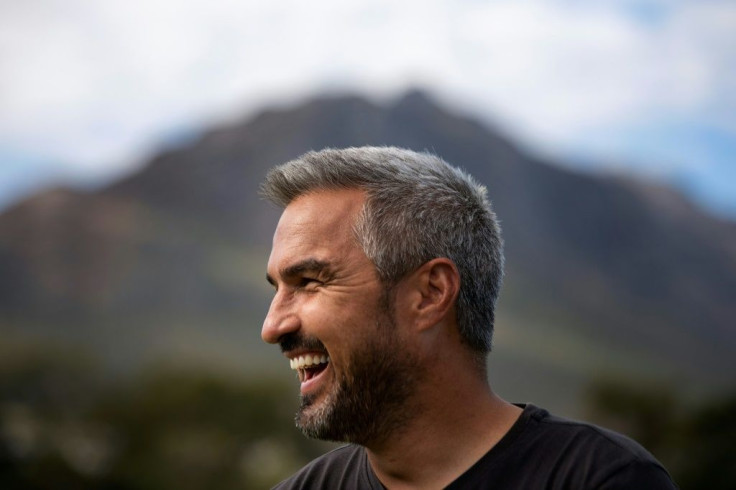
313 383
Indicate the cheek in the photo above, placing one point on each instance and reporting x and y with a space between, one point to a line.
326 320
341 325
316 310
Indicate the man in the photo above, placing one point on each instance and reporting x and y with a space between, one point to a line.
386 266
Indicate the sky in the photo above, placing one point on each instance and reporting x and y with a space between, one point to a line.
89 89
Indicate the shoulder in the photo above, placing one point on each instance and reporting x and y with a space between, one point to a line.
604 458
343 467
582 437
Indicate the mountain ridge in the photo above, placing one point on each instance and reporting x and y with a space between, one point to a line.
613 265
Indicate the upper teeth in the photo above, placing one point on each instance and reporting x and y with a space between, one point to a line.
308 360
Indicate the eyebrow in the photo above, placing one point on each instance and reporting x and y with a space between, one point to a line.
312 265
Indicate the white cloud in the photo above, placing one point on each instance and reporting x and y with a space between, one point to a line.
93 84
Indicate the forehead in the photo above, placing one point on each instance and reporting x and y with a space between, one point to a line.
318 225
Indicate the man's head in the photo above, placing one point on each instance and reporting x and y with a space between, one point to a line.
416 208
368 293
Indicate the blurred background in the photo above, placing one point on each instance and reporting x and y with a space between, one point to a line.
133 137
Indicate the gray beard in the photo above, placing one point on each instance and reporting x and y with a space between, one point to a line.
369 400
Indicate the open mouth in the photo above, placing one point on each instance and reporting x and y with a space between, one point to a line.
309 366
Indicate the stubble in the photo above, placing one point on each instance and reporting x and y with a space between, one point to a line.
369 399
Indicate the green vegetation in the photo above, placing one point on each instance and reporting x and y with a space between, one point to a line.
64 424
694 441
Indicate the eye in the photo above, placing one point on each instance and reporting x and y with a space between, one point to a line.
308 283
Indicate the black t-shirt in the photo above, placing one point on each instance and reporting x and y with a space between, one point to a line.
540 451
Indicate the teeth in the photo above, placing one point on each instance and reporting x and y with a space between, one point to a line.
307 361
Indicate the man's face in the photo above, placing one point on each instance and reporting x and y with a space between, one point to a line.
331 316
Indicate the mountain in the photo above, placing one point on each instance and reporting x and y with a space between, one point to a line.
605 276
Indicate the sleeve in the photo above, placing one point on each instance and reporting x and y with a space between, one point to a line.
639 475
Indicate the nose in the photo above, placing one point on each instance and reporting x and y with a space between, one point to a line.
279 321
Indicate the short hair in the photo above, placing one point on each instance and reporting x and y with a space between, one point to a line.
417 208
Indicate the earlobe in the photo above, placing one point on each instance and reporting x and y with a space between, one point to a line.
438 284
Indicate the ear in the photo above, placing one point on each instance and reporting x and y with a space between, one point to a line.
436 285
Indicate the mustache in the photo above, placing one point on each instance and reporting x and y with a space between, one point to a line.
293 341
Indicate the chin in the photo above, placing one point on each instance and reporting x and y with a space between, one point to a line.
315 418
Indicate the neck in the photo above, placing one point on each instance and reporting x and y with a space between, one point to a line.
458 420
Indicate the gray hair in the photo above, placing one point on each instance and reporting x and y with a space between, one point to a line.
417 208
